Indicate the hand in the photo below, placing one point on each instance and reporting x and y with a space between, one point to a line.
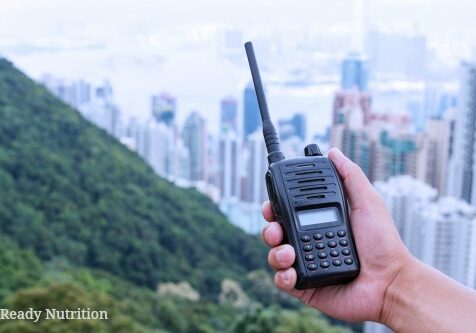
381 252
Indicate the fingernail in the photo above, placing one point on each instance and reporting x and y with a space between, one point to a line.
286 276
280 256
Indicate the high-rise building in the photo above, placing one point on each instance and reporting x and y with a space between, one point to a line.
157 144
194 137
296 126
229 166
461 177
448 234
434 153
105 116
381 144
229 115
345 105
398 151
160 146
441 233
102 111
75 93
350 111
251 113
256 164
96 104
163 108
179 163
403 197
355 73
104 92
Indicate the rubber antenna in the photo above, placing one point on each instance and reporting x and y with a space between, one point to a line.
269 132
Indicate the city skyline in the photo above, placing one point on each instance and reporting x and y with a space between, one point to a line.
202 61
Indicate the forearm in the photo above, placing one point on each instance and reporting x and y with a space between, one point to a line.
421 299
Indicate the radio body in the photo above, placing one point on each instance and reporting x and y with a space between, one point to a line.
308 201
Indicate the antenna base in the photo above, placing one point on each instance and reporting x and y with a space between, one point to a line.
275 156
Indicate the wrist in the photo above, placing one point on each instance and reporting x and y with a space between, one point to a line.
400 291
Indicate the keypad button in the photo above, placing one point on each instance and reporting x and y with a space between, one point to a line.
348 261
336 262
318 236
320 246
332 244
310 257
341 233
305 238
312 267
325 264
334 253
307 247
343 242
346 252
329 234
322 255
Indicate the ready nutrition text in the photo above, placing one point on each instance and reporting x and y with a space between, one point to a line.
52 314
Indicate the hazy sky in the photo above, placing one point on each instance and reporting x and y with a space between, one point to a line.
26 19
200 79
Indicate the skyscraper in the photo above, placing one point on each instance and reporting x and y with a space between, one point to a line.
403 197
461 178
254 187
163 108
296 126
346 101
434 153
448 234
229 115
102 111
75 93
157 145
354 73
251 113
441 233
104 92
381 144
195 139
161 148
229 167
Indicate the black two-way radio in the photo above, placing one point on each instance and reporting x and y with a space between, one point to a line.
308 201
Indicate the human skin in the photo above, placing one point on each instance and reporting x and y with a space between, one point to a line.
393 287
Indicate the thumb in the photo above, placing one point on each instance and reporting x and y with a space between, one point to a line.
359 190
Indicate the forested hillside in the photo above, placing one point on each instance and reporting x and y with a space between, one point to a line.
84 222
68 189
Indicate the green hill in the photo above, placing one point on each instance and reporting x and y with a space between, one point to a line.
84 222
27 282
68 189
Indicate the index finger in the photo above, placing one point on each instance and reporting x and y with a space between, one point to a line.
267 211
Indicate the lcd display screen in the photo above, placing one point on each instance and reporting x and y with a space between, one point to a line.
317 216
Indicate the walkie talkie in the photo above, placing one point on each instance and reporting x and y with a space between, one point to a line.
309 202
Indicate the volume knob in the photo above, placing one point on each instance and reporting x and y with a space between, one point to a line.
312 150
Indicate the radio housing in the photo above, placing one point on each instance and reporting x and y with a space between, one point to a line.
311 184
